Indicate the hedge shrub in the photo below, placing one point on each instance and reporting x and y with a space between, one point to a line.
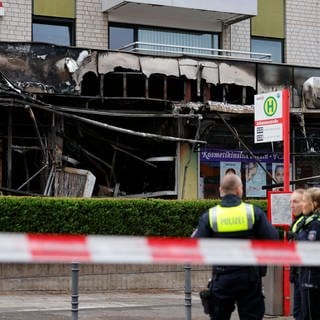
143 217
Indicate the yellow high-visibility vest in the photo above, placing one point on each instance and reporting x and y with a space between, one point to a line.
297 224
231 219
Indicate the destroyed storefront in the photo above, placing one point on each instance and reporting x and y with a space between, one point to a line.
88 123
114 126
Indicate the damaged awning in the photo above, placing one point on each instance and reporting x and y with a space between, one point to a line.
61 70
212 71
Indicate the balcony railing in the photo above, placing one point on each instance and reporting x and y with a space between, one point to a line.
168 49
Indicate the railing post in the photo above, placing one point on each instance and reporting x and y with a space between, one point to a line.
74 290
187 291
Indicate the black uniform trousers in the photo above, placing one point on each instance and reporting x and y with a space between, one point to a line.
242 288
297 300
294 279
310 294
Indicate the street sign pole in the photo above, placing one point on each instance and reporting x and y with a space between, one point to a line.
272 123
286 138
286 187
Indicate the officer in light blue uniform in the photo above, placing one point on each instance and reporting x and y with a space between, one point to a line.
233 285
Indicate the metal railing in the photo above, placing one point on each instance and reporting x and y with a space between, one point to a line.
168 49
75 268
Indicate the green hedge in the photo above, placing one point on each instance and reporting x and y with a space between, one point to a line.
144 217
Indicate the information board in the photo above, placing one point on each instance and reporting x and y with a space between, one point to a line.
268 117
279 211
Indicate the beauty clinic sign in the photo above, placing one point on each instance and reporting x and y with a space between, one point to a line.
268 117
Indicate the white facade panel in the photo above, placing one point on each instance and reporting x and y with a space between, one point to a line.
301 41
247 7
185 14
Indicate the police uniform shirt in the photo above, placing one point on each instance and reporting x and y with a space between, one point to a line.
311 232
261 228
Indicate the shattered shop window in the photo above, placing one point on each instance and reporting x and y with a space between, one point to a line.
59 32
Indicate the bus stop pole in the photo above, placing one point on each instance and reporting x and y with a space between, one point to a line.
286 188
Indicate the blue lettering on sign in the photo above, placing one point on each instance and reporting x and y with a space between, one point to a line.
211 154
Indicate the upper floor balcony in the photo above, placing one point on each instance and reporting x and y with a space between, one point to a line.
203 15
161 49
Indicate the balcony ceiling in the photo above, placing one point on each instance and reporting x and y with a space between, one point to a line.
205 15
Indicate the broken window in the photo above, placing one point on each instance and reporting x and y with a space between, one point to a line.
157 86
175 89
136 85
113 85
90 85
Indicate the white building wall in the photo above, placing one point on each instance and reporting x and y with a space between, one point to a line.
15 25
240 36
302 29
91 25
302 33
226 37
302 43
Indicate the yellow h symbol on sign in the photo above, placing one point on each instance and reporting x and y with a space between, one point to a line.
270 106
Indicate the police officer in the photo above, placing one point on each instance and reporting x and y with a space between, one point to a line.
295 228
239 285
310 276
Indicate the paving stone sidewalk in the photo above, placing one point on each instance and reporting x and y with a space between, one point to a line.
123 305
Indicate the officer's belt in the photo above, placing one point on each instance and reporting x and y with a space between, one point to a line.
226 270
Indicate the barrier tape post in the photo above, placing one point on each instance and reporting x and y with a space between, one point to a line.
286 283
75 290
187 291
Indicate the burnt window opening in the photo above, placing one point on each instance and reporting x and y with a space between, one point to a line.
175 89
156 86
216 92
25 164
232 93
123 163
90 85
130 84
26 157
250 92
113 85
160 178
136 85
136 177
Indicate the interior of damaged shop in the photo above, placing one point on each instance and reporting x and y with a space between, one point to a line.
79 122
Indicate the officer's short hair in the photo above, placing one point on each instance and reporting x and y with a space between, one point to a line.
230 183
230 170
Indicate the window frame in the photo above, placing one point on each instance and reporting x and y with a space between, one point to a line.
266 39
56 21
136 28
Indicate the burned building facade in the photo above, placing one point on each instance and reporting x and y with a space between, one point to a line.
141 125
153 98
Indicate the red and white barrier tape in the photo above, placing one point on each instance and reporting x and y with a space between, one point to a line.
36 248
